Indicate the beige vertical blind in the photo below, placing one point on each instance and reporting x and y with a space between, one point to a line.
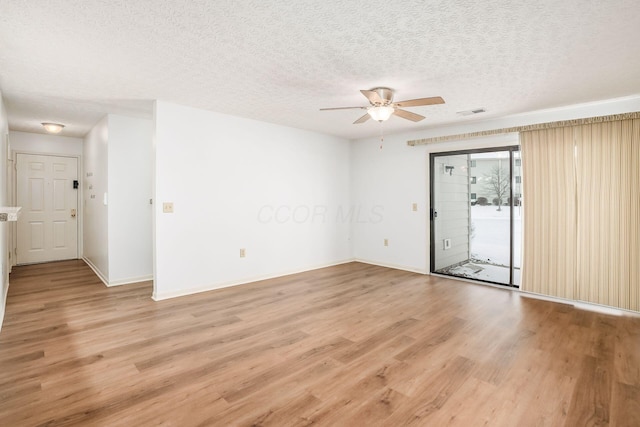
549 194
588 249
607 166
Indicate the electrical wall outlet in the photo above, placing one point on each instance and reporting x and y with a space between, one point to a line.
386 242
167 207
242 253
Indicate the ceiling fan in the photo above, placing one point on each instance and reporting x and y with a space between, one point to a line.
382 106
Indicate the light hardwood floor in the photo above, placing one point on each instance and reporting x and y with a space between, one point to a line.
352 345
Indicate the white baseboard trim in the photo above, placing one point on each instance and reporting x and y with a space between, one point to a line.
184 292
130 280
583 305
97 271
119 282
394 266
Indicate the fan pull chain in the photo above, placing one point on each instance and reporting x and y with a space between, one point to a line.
381 135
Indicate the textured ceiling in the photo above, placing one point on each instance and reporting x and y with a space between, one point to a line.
72 61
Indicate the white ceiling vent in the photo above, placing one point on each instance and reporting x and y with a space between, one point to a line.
471 112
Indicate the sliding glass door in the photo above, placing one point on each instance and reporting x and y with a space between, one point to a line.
476 204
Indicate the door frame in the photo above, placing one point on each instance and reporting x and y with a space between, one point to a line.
12 227
432 244
80 204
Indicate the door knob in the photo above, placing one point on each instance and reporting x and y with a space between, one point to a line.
73 213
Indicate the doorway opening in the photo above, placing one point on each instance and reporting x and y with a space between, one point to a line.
476 214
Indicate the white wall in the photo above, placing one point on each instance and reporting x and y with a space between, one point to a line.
45 144
4 235
130 158
94 187
394 177
238 183
118 159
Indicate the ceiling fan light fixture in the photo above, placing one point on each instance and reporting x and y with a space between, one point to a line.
381 106
380 113
53 127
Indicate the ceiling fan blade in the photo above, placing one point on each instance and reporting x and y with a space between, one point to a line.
408 115
362 119
343 108
420 101
372 96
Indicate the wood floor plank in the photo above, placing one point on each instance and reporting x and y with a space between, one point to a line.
380 363
354 344
377 409
434 394
284 369
592 396
627 352
626 411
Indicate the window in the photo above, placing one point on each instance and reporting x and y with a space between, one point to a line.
518 179
472 163
518 162
473 179
473 196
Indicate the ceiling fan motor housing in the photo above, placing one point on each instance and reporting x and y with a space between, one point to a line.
385 94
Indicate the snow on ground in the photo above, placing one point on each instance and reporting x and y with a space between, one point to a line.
490 238
490 245
487 272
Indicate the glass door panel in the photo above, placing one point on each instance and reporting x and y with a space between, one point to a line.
517 216
472 219
450 212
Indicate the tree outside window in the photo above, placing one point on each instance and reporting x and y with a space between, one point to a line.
497 184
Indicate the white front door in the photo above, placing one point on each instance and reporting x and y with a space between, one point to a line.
48 223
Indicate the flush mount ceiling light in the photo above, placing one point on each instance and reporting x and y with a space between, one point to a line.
380 113
53 127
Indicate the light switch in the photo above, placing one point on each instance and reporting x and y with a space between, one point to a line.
414 207
167 207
